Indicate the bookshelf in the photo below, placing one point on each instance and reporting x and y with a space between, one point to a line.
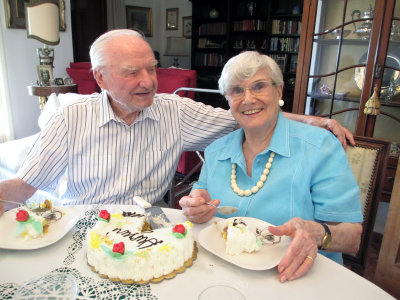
224 28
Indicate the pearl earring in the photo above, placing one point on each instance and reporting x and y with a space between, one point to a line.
281 102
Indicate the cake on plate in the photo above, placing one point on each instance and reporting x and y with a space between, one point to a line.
239 238
29 224
122 247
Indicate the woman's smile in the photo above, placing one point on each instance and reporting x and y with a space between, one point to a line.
252 111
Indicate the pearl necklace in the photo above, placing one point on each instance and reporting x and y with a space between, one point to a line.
260 183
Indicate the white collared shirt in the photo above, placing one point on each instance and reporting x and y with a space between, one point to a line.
108 160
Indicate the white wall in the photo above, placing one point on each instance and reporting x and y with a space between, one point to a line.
159 39
21 61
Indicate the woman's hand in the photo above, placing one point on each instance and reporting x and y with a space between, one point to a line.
194 207
300 255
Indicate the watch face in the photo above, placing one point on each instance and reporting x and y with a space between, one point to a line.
326 241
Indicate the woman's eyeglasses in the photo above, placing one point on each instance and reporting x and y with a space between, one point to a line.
258 88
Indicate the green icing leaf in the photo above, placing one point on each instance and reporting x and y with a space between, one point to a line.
258 241
101 219
179 235
37 226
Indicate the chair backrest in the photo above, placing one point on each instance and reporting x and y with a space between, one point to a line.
170 79
368 163
82 75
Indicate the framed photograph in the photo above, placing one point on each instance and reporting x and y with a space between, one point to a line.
187 27
172 19
59 81
139 18
45 74
15 13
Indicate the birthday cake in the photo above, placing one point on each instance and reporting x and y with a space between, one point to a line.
122 247
239 238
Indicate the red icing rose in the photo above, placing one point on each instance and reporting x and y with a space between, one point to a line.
119 247
22 215
104 214
179 229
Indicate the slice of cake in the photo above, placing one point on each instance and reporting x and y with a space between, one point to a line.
29 225
121 248
240 239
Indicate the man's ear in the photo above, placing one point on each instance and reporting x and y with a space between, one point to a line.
99 77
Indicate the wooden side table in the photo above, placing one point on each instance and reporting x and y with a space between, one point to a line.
44 91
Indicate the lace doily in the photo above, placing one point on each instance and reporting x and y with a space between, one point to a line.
89 287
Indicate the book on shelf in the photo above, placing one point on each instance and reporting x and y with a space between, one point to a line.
287 44
285 27
281 60
212 29
293 63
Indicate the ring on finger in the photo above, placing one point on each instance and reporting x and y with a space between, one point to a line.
310 257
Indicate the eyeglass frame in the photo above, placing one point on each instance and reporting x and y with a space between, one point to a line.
243 93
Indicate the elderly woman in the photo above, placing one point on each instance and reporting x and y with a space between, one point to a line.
284 172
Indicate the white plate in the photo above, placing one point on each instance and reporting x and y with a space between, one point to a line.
268 257
56 230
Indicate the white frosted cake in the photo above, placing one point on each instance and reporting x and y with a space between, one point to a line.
122 248
240 239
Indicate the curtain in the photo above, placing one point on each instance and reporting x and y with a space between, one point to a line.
116 15
6 130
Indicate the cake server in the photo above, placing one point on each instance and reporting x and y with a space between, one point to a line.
155 215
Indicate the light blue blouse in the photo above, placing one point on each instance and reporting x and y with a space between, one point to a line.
310 177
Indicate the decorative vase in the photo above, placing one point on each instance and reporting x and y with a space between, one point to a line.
251 7
213 13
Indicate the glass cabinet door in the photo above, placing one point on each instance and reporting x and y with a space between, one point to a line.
387 124
341 39
349 47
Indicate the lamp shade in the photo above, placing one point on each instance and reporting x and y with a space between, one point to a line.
43 21
176 46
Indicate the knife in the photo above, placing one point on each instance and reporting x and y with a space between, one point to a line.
155 216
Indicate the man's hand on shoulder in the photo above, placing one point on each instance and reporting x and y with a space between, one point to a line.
342 133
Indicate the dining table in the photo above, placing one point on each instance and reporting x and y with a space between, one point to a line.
326 280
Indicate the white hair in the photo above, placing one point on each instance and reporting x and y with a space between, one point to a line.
244 65
98 48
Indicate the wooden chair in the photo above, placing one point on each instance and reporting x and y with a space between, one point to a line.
387 274
368 163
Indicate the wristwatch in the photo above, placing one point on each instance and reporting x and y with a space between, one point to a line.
326 240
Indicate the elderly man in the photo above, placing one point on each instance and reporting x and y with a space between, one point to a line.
127 140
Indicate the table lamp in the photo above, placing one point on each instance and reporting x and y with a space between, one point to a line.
176 46
42 23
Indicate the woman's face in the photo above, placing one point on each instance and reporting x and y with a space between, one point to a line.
258 108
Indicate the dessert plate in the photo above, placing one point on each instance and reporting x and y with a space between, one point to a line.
56 230
268 257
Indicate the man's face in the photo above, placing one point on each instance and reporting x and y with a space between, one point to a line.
130 75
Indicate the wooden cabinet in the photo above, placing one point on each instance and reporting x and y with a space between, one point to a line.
222 29
346 49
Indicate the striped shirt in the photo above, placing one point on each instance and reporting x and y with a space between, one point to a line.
108 160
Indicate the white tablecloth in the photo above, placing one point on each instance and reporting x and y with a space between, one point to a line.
326 280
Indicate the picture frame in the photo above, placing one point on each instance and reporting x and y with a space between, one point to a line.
15 13
139 19
187 27
172 19
58 81
45 74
